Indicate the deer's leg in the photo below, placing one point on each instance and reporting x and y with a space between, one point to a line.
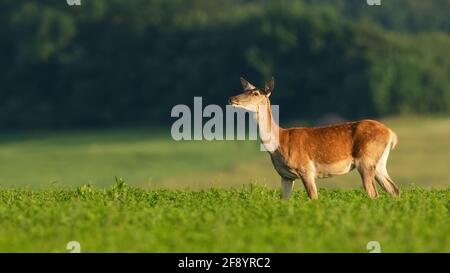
310 185
286 187
367 172
382 176
387 184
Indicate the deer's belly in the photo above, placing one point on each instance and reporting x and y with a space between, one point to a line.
336 168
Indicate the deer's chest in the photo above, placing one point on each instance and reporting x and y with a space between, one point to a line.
282 167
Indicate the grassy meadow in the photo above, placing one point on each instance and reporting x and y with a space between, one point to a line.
151 159
212 196
245 219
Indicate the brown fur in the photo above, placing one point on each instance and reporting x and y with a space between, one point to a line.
334 143
360 143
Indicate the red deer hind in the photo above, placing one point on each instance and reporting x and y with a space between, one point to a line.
310 153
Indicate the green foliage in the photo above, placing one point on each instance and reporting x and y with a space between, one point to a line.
120 185
112 63
84 191
247 219
401 15
120 188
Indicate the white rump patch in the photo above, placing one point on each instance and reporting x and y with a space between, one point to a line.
381 165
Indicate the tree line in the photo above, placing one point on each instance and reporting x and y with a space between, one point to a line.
126 63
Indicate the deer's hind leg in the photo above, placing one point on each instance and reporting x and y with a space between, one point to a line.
370 154
367 172
310 185
382 176
387 184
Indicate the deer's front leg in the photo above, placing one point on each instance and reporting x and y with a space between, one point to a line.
286 187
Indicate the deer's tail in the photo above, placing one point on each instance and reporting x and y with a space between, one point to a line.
394 139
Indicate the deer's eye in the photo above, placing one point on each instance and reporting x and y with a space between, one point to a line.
255 93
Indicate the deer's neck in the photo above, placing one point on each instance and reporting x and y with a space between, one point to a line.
268 129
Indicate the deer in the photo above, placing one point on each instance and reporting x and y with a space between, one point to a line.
310 153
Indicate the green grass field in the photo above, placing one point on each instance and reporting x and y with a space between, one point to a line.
151 159
189 196
251 218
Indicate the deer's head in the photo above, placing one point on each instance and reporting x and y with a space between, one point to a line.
252 97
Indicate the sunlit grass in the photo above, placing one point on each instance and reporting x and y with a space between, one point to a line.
245 219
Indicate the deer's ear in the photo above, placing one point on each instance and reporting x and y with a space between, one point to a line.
246 84
270 84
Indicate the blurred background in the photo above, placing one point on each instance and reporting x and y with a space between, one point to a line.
86 91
